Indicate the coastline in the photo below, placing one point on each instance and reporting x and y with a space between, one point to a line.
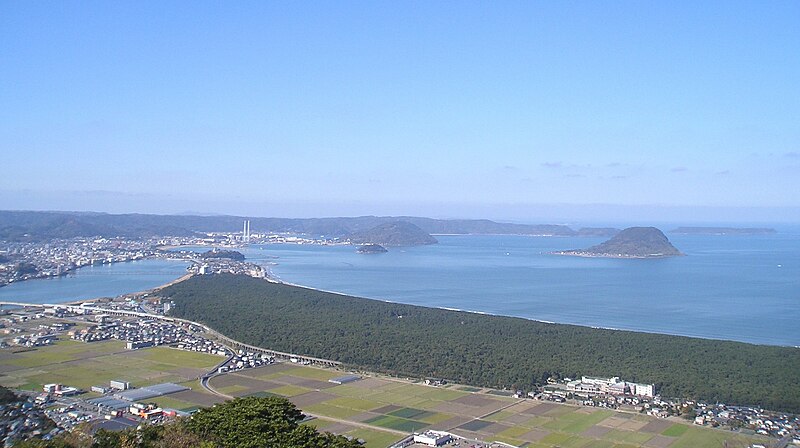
485 313
616 256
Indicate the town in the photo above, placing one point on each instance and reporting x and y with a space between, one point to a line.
20 261
141 321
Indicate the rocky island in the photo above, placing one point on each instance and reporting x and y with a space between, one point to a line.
397 233
371 249
633 242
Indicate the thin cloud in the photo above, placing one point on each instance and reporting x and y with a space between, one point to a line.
679 169
792 154
723 173
552 164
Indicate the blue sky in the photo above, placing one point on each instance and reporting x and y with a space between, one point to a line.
457 109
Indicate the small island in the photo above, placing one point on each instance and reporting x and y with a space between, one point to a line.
633 242
216 253
396 233
723 231
371 249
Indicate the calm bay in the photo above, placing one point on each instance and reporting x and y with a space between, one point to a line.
742 288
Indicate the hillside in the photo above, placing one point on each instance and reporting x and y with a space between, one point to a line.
397 233
37 226
633 242
481 349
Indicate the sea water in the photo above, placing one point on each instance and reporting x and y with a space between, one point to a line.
741 288
106 280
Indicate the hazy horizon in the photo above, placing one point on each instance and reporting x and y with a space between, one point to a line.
514 111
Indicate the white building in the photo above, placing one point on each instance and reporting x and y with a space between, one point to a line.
432 438
646 390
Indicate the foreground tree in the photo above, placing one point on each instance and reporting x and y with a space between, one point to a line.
253 422
260 422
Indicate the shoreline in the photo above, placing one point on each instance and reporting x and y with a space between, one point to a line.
182 277
485 313
613 256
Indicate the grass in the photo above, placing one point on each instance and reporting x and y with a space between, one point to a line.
411 413
514 431
374 438
469 389
397 423
84 365
698 437
353 403
171 357
327 410
575 422
289 390
636 438
171 403
675 430
232 389
311 373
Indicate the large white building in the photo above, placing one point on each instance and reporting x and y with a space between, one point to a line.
614 385
432 438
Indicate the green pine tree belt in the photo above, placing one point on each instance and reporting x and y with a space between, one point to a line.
483 350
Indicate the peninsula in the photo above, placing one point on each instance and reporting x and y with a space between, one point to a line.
633 242
230 254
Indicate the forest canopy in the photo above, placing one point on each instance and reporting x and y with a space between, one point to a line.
483 350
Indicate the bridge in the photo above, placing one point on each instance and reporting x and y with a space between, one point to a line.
231 343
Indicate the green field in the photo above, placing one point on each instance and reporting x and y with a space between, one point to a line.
84 365
377 409
392 407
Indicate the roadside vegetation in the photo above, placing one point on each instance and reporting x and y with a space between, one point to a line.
483 350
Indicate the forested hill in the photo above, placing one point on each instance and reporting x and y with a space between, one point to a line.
397 233
484 350
28 225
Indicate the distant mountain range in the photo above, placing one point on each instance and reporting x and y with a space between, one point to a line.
633 242
723 230
38 226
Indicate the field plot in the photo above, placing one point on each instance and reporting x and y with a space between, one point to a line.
376 409
382 410
84 365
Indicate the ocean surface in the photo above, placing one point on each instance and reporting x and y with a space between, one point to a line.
95 281
742 288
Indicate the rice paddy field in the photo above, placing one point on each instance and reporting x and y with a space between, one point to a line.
84 365
376 409
382 410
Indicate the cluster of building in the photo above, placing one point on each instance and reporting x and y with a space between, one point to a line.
246 360
22 419
142 333
589 386
27 260
763 422
228 266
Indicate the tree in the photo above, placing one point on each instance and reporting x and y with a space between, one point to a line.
259 422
